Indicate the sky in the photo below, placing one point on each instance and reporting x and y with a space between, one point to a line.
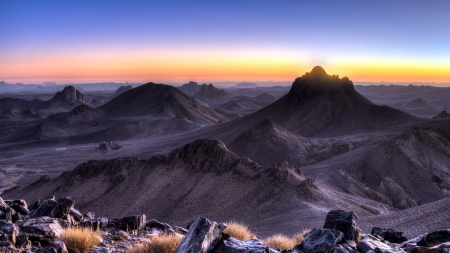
175 41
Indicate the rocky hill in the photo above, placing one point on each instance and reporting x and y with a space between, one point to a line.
69 93
212 95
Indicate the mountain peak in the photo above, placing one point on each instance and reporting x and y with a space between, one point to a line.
316 83
318 71
69 93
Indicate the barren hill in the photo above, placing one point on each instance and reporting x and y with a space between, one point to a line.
162 101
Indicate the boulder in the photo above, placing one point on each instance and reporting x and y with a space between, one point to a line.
372 244
321 240
3 205
202 237
95 223
43 229
57 247
435 238
54 209
77 216
9 230
232 245
166 228
344 222
135 222
389 235
6 247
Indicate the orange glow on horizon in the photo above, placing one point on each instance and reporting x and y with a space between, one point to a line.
206 66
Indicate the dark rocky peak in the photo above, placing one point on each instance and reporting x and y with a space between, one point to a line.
122 89
191 84
442 115
417 103
69 93
98 102
208 155
433 137
285 173
317 83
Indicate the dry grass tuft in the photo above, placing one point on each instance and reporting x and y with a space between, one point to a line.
239 231
158 244
80 240
283 242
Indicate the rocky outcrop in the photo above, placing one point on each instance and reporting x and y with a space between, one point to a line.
98 102
212 95
389 235
344 222
69 93
442 115
107 146
320 241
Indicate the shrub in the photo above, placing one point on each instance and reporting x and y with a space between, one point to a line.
239 231
80 240
283 242
158 244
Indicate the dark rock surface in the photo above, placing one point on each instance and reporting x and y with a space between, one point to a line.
389 235
203 236
69 93
321 240
344 222
232 245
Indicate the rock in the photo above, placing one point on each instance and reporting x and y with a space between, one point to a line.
344 222
180 230
20 209
35 205
159 225
55 209
372 244
95 223
6 247
99 249
69 93
77 216
435 238
135 222
202 237
43 229
57 246
3 205
442 115
232 245
23 241
107 146
321 240
98 102
9 230
389 235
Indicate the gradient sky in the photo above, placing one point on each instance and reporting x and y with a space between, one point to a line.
175 41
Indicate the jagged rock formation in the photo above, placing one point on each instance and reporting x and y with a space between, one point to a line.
442 115
69 93
212 95
322 105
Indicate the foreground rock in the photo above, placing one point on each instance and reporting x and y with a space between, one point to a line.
203 236
37 228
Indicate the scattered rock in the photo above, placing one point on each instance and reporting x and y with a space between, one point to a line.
203 236
435 238
43 229
9 230
389 235
321 240
231 245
